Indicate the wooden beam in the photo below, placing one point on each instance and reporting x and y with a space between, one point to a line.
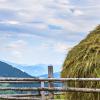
19 95
68 89
18 82
22 80
18 98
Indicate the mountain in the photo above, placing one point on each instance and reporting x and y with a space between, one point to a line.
35 70
7 70
55 75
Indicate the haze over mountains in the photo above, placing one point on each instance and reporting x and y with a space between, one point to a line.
36 70
55 75
39 70
7 70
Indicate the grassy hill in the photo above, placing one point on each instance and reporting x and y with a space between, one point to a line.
84 61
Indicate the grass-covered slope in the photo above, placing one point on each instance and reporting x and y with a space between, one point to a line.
84 61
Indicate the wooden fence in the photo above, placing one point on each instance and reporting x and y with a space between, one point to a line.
42 90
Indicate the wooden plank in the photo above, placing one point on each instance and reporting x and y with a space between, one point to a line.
18 98
27 95
19 95
19 80
68 89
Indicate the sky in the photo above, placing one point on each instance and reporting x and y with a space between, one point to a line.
43 31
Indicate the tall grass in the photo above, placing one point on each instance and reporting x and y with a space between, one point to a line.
84 61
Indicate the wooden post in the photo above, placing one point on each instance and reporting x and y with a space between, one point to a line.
42 92
50 84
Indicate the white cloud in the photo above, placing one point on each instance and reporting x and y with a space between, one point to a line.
78 13
65 24
17 44
40 26
30 18
16 54
47 12
13 22
16 48
3 1
58 47
51 12
61 47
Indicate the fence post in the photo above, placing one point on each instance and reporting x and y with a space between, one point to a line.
50 84
42 92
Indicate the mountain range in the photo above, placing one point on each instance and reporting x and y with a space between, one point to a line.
36 70
7 70
55 75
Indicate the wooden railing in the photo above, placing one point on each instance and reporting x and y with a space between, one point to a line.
51 89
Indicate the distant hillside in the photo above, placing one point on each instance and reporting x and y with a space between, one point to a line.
35 70
55 75
7 70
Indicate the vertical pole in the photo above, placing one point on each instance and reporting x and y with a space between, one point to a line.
50 84
42 92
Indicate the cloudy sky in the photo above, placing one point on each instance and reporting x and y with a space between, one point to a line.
42 31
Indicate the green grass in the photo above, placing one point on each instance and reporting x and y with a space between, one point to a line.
59 97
